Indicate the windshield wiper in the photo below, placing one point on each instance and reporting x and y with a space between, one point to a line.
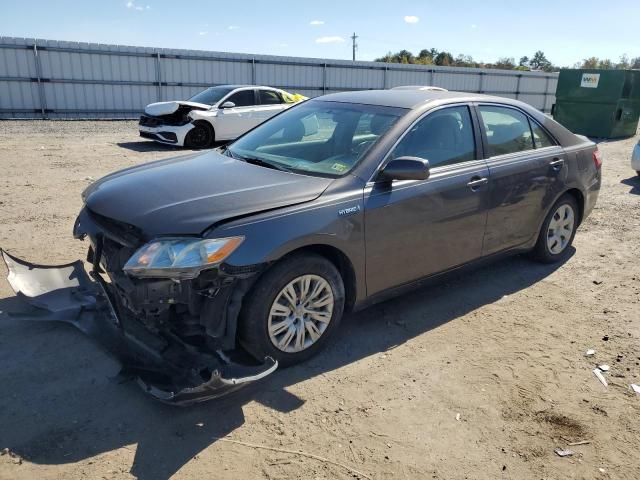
256 161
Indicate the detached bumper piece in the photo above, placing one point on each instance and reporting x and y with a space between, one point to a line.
169 371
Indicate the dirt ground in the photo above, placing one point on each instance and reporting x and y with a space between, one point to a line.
478 378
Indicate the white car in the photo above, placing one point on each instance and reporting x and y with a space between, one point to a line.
635 158
217 114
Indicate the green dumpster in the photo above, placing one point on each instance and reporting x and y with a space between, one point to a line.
598 103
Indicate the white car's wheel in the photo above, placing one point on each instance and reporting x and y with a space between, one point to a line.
200 136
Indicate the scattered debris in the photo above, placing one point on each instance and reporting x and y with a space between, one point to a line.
582 442
599 410
563 453
90 178
199 424
590 353
635 388
602 470
295 452
604 368
605 338
457 416
600 377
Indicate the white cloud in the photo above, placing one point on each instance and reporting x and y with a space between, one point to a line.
233 27
330 40
316 22
283 45
474 26
202 33
411 19
132 6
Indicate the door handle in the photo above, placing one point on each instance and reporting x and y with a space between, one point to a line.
556 163
477 182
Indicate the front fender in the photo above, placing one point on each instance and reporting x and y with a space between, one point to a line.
336 221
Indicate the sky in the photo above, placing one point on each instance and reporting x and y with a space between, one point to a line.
566 30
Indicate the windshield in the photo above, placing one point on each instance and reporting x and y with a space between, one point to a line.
317 137
210 95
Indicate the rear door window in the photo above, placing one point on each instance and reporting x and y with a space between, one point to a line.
243 98
507 130
269 97
443 137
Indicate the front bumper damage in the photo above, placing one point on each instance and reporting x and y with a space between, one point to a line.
167 368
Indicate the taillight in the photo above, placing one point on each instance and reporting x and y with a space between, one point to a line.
597 158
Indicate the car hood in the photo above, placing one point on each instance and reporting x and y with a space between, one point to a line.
188 194
167 108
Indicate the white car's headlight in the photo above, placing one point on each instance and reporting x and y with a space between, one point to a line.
180 257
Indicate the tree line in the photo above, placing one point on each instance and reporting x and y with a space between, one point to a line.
538 61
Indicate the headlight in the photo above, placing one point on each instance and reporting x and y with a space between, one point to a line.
180 257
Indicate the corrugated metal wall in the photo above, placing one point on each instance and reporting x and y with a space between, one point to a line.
54 79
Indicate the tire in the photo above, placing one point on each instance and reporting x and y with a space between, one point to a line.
200 136
547 250
256 314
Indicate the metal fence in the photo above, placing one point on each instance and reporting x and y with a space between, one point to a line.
55 79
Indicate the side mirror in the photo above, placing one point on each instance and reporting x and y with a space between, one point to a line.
406 168
228 105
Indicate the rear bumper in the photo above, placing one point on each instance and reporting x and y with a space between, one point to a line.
592 193
167 134
168 370
635 158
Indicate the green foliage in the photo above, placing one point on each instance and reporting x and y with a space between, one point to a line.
539 61
625 63
431 56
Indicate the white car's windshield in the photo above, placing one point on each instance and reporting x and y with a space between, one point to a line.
210 95
318 137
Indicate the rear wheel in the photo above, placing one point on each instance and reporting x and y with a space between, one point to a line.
558 230
200 136
293 309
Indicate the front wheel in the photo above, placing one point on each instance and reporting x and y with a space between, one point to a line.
292 310
558 230
200 136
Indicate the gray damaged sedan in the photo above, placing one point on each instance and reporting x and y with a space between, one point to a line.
208 271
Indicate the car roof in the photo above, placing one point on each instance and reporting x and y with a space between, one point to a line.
235 87
407 98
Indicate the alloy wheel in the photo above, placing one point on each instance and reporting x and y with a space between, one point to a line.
300 313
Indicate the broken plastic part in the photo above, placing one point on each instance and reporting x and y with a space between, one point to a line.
66 293
600 377
563 453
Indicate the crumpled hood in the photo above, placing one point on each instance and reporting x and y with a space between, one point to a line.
188 194
167 108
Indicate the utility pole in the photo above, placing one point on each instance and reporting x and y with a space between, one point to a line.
355 45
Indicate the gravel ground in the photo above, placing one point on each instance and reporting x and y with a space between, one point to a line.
480 377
